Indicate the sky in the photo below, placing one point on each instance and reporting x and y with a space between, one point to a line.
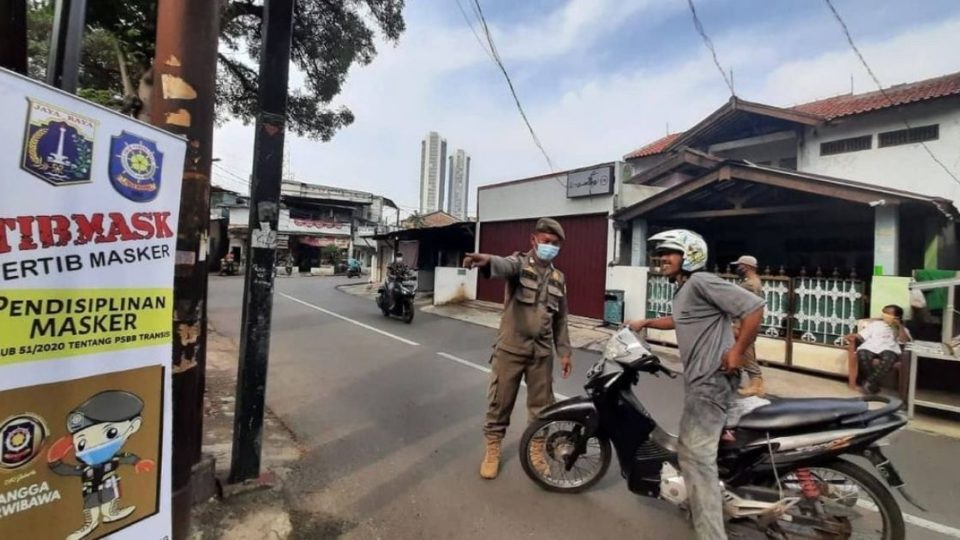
597 78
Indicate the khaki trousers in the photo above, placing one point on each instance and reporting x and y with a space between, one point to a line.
508 370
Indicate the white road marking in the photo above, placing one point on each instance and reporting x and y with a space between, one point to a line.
484 369
351 321
932 525
909 518
918 521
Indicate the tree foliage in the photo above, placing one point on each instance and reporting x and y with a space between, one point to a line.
329 36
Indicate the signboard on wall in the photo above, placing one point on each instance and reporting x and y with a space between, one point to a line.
590 182
88 221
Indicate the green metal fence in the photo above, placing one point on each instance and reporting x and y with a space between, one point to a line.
817 309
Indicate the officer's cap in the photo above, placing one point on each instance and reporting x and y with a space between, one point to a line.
551 226
107 406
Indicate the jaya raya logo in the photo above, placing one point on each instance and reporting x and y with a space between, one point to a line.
58 146
135 166
21 438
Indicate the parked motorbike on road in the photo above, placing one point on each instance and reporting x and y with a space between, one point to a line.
783 465
353 269
395 297
228 266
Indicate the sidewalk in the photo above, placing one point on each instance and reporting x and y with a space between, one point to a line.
260 509
588 334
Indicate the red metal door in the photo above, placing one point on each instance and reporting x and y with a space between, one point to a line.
583 258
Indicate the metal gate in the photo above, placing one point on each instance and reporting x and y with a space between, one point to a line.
818 310
583 258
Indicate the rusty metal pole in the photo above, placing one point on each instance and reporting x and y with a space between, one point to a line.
13 35
262 244
184 75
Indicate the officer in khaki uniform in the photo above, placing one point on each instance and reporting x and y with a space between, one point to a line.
534 324
747 270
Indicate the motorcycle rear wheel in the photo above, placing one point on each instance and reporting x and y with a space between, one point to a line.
851 497
559 436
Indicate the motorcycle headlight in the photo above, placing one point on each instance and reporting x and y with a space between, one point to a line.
596 369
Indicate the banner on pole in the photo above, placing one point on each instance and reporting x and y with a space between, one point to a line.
88 218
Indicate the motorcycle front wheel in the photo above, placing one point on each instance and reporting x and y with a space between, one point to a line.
545 446
852 503
408 313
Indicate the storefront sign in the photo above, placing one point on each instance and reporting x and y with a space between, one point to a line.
591 182
88 220
323 241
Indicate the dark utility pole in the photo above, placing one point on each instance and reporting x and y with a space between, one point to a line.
262 244
13 35
184 82
63 66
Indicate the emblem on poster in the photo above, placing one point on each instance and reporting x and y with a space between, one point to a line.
135 166
21 438
58 145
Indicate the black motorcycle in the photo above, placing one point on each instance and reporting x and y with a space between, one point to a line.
395 297
781 465
228 267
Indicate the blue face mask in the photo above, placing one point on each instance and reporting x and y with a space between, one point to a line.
547 252
101 454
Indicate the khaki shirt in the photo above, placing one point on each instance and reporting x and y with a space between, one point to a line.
534 318
754 285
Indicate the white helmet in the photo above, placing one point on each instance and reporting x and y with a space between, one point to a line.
691 244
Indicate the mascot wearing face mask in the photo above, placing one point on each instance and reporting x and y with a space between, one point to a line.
98 429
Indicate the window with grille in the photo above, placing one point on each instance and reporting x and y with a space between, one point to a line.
842 146
909 136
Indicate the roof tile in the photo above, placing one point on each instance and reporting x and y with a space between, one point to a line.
847 105
655 147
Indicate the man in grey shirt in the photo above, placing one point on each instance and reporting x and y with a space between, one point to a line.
704 308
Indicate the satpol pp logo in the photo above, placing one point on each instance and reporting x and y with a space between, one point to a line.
21 438
135 166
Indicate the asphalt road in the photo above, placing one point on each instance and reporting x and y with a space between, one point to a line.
390 417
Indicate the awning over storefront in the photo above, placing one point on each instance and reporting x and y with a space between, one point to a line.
737 188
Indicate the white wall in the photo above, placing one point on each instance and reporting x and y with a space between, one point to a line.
907 167
536 198
454 285
632 280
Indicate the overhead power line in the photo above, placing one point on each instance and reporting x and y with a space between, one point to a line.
876 81
709 44
466 18
513 91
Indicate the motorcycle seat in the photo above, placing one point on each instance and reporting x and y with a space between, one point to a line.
789 413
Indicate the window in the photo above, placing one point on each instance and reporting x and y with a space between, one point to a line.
841 146
909 136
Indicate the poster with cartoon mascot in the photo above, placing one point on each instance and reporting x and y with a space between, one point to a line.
88 223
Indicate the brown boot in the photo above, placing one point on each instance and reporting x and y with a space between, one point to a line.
491 460
538 456
755 388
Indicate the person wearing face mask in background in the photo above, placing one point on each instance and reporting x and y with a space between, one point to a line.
880 347
533 327
746 267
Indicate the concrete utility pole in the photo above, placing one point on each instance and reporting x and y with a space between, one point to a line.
13 35
262 244
66 40
184 75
